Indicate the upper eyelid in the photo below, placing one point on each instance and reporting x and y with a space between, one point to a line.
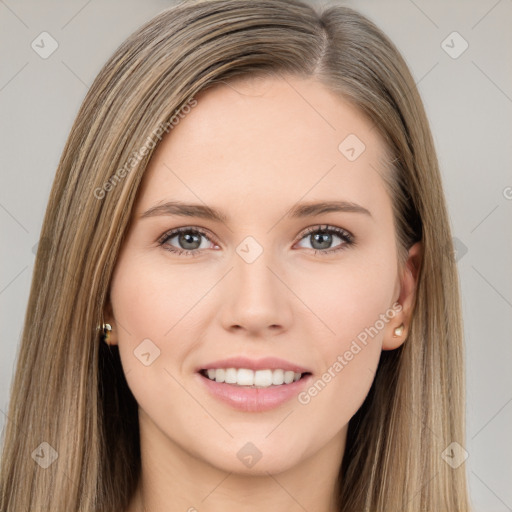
171 233
325 227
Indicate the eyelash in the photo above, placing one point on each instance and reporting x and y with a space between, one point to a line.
347 238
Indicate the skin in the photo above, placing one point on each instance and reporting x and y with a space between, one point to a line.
253 149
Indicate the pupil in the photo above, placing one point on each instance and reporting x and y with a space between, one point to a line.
188 238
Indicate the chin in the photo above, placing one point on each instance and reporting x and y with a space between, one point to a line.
258 457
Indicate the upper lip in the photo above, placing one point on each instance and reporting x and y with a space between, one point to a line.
265 363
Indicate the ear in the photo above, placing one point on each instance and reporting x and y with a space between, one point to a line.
408 281
108 318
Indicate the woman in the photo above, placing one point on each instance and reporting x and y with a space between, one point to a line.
296 343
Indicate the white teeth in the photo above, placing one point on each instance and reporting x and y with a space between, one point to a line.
230 376
244 377
263 378
258 378
288 377
277 377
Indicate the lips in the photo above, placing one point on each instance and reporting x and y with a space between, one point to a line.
253 398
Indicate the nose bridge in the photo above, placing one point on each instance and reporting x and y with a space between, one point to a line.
257 297
254 283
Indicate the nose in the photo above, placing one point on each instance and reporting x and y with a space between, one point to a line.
257 299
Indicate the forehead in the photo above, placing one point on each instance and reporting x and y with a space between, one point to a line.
268 140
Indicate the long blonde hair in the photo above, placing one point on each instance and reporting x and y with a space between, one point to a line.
69 389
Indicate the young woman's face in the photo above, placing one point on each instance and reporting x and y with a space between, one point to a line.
280 282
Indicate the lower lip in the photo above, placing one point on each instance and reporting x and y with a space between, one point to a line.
254 399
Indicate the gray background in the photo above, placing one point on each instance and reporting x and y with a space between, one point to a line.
469 104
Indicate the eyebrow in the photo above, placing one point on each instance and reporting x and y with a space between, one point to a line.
206 212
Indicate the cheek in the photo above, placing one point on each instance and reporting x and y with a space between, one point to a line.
347 298
150 300
150 309
142 313
353 307
168 306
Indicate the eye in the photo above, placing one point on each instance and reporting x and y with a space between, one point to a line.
188 240
321 239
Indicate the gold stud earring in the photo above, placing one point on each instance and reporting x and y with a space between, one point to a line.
106 328
398 331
